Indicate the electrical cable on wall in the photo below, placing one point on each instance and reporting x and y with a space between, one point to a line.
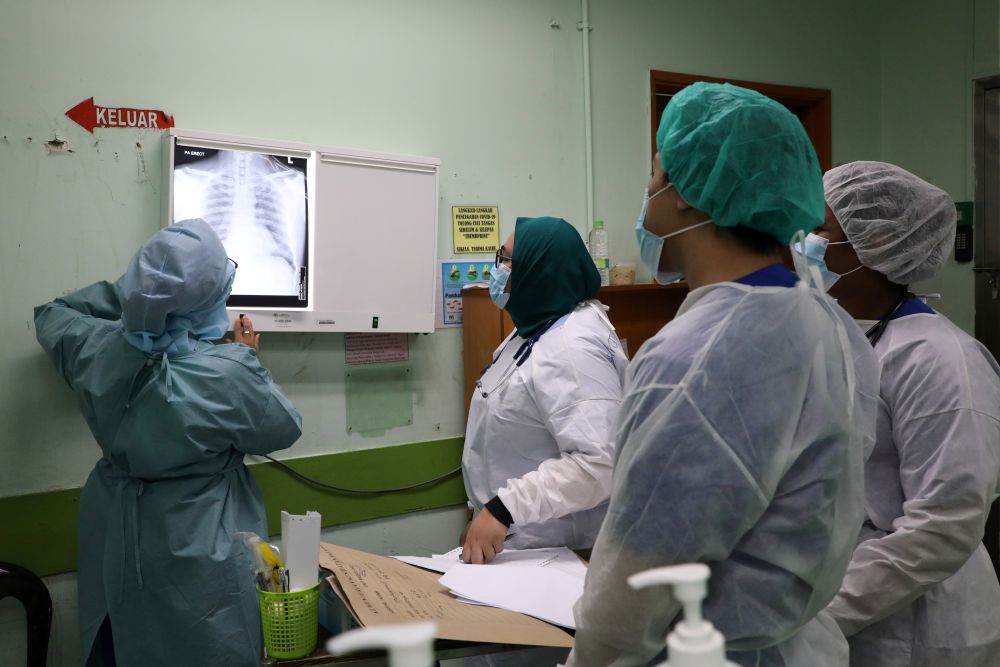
342 489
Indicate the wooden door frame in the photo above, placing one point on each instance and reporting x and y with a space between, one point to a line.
813 106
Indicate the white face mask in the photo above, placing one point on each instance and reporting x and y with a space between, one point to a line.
651 245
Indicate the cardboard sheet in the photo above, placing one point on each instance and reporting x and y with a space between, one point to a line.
382 590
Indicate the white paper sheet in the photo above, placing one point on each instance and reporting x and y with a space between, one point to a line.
547 593
558 558
437 562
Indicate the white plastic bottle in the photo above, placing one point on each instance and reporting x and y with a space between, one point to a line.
408 644
598 243
694 641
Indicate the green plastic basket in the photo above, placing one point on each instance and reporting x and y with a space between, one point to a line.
289 621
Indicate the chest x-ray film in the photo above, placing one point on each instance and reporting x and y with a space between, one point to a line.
256 203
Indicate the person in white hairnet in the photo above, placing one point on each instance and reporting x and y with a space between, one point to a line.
920 590
745 419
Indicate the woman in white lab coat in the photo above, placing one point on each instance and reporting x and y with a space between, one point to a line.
539 441
540 437
920 590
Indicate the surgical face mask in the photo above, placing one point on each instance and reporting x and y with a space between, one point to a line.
651 245
498 283
813 251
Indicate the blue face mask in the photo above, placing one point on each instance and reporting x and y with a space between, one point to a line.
651 245
498 283
813 251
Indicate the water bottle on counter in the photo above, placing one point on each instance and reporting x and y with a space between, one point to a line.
598 244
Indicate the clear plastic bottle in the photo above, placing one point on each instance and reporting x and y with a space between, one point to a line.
598 244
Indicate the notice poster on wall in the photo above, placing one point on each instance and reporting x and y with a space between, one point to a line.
455 276
375 348
477 228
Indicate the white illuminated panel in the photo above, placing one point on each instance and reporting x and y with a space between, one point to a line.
326 239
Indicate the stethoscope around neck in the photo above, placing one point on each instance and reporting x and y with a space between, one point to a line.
520 356
874 333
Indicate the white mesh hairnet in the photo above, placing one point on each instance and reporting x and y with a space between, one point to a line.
899 224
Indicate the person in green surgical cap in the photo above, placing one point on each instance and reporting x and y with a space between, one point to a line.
538 445
162 580
744 421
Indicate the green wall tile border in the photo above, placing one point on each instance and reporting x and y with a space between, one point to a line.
38 530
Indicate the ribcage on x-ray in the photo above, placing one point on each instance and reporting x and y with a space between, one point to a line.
230 206
257 206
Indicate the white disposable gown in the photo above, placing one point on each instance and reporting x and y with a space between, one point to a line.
740 445
920 590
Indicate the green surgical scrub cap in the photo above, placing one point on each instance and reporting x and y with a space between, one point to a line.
742 158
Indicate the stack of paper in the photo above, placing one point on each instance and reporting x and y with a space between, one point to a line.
381 590
544 583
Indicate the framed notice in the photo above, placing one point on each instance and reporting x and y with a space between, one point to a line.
477 229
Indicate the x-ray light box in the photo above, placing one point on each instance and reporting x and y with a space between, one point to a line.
325 239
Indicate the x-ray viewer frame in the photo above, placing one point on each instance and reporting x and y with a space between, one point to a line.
371 241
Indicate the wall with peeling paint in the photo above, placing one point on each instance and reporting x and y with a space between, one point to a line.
382 76
492 88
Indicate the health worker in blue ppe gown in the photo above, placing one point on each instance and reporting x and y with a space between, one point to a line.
920 590
539 441
161 580
745 419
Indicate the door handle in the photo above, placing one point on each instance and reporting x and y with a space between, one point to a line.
991 281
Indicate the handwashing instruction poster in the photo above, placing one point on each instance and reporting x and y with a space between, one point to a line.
477 228
455 276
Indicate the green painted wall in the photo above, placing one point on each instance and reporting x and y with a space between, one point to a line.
39 530
487 87
794 42
927 64
493 89
985 29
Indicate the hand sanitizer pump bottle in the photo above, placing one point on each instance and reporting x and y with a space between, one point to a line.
408 644
694 641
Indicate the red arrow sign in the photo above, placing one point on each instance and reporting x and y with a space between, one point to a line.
88 116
